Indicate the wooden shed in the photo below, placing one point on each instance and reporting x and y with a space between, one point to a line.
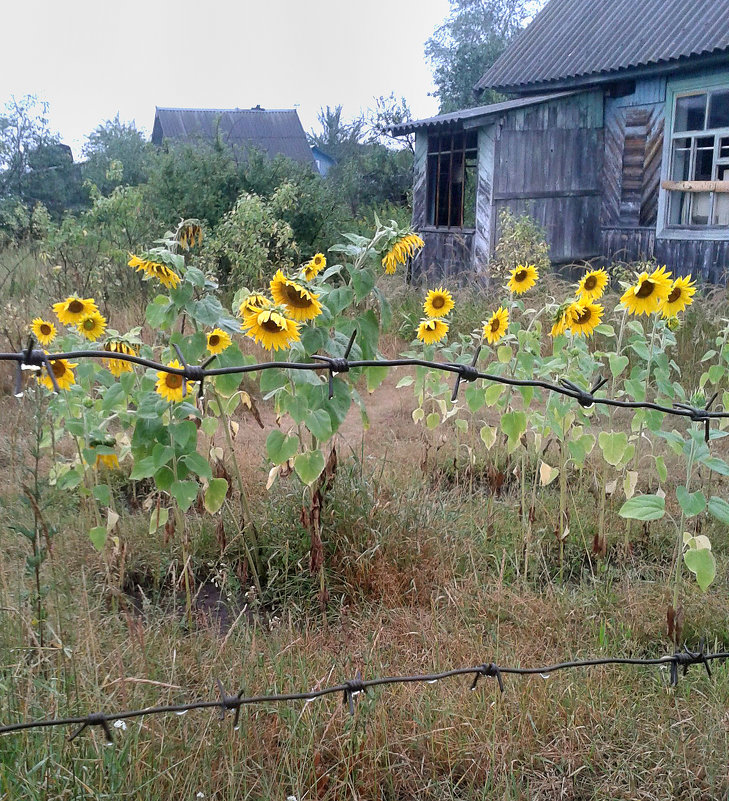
615 139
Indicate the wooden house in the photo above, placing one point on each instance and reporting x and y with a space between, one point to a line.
272 131
615 139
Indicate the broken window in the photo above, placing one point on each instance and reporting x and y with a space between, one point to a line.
452 178
699 159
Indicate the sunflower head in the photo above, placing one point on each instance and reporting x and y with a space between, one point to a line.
592 285
583 318
432 330
253 303
494 329
110 460
563 316
63 373
171 386
402 249
679 297
43 330
648 293
438 303
522 278
118 366
72 310
189 233
218 341
314 266
272 329
92 326
300 304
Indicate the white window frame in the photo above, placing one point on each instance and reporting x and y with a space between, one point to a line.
674 91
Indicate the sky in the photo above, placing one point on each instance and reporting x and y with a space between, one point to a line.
92 59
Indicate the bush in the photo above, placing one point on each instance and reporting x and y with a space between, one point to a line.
521 241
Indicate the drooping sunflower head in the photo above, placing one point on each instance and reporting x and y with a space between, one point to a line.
300 304
402 249
272 329
583 318
314 266
92 326
189 233
253 304
563 316
110 460
43 330
648 293
171 386
680 296
118 366
438 303
218 341
72 310
164 274
592 285
432 330
63 372
496 326
522 278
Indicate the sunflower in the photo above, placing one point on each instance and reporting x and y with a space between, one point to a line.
432 330
72 310
438 303
118 366
495 328
648 293
254 304
401 251
43 331
218 341
110 460
584 318
299 302
188 234
313 267
63 373
563 316
93 326
522 278
272 329
680 296
592 285
171 386
166 276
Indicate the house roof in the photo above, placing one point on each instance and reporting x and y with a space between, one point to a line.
472 117
578 42
272 131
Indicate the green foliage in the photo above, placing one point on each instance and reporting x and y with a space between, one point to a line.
116 154
521 241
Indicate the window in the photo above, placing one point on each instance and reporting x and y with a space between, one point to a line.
452 174
699 152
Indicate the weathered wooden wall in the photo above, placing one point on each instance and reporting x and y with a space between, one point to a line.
446 256
548 163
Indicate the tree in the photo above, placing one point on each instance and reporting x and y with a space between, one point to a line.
473 36
337 138
115 142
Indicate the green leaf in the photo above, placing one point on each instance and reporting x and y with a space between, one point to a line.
488 436
617 364
643 507
320 424
114 397
144 468
197 464
504 353
363 281
716 464
185 493
309 465
296 406
206 311
432 420
375 376
158 519
405 381
160 312
613 446
161 455
209 426
102 493
184 435
281 448
226 385
475 397
661 469
215 495
97 535
493 393
163 479
271 380
719 509
702 564
513 424
692 503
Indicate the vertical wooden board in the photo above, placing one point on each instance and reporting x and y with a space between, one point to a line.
652 167
420 179
611 167
484 200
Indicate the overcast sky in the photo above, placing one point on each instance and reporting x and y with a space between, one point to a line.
93 58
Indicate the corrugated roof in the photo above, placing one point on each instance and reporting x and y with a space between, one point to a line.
472 116
571 41
272 131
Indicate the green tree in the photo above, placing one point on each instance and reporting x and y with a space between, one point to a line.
113 143
473 36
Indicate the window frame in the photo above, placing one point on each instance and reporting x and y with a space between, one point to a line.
468 150
674 91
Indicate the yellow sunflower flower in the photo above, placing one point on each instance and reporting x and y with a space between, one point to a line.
648 293
110 460
72 310
432 330
438 303
63 373
680 296
584 318
401 251
272 329
165 275
218 341
522 278
564 314
495 328
254 304
43 330
118 366
92 326
299 302
171 385
592 285
189 234
313 267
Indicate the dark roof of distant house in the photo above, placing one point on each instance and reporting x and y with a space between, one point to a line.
473 117
273 131
580 42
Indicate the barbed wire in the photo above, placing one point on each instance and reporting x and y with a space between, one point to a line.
34 359
350 689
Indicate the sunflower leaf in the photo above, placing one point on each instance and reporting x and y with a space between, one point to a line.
281 448
643 507
97 535
692 503
215 495
185 493
309 465
702 564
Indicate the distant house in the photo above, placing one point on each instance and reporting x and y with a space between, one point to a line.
273 132
324 162
616 139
